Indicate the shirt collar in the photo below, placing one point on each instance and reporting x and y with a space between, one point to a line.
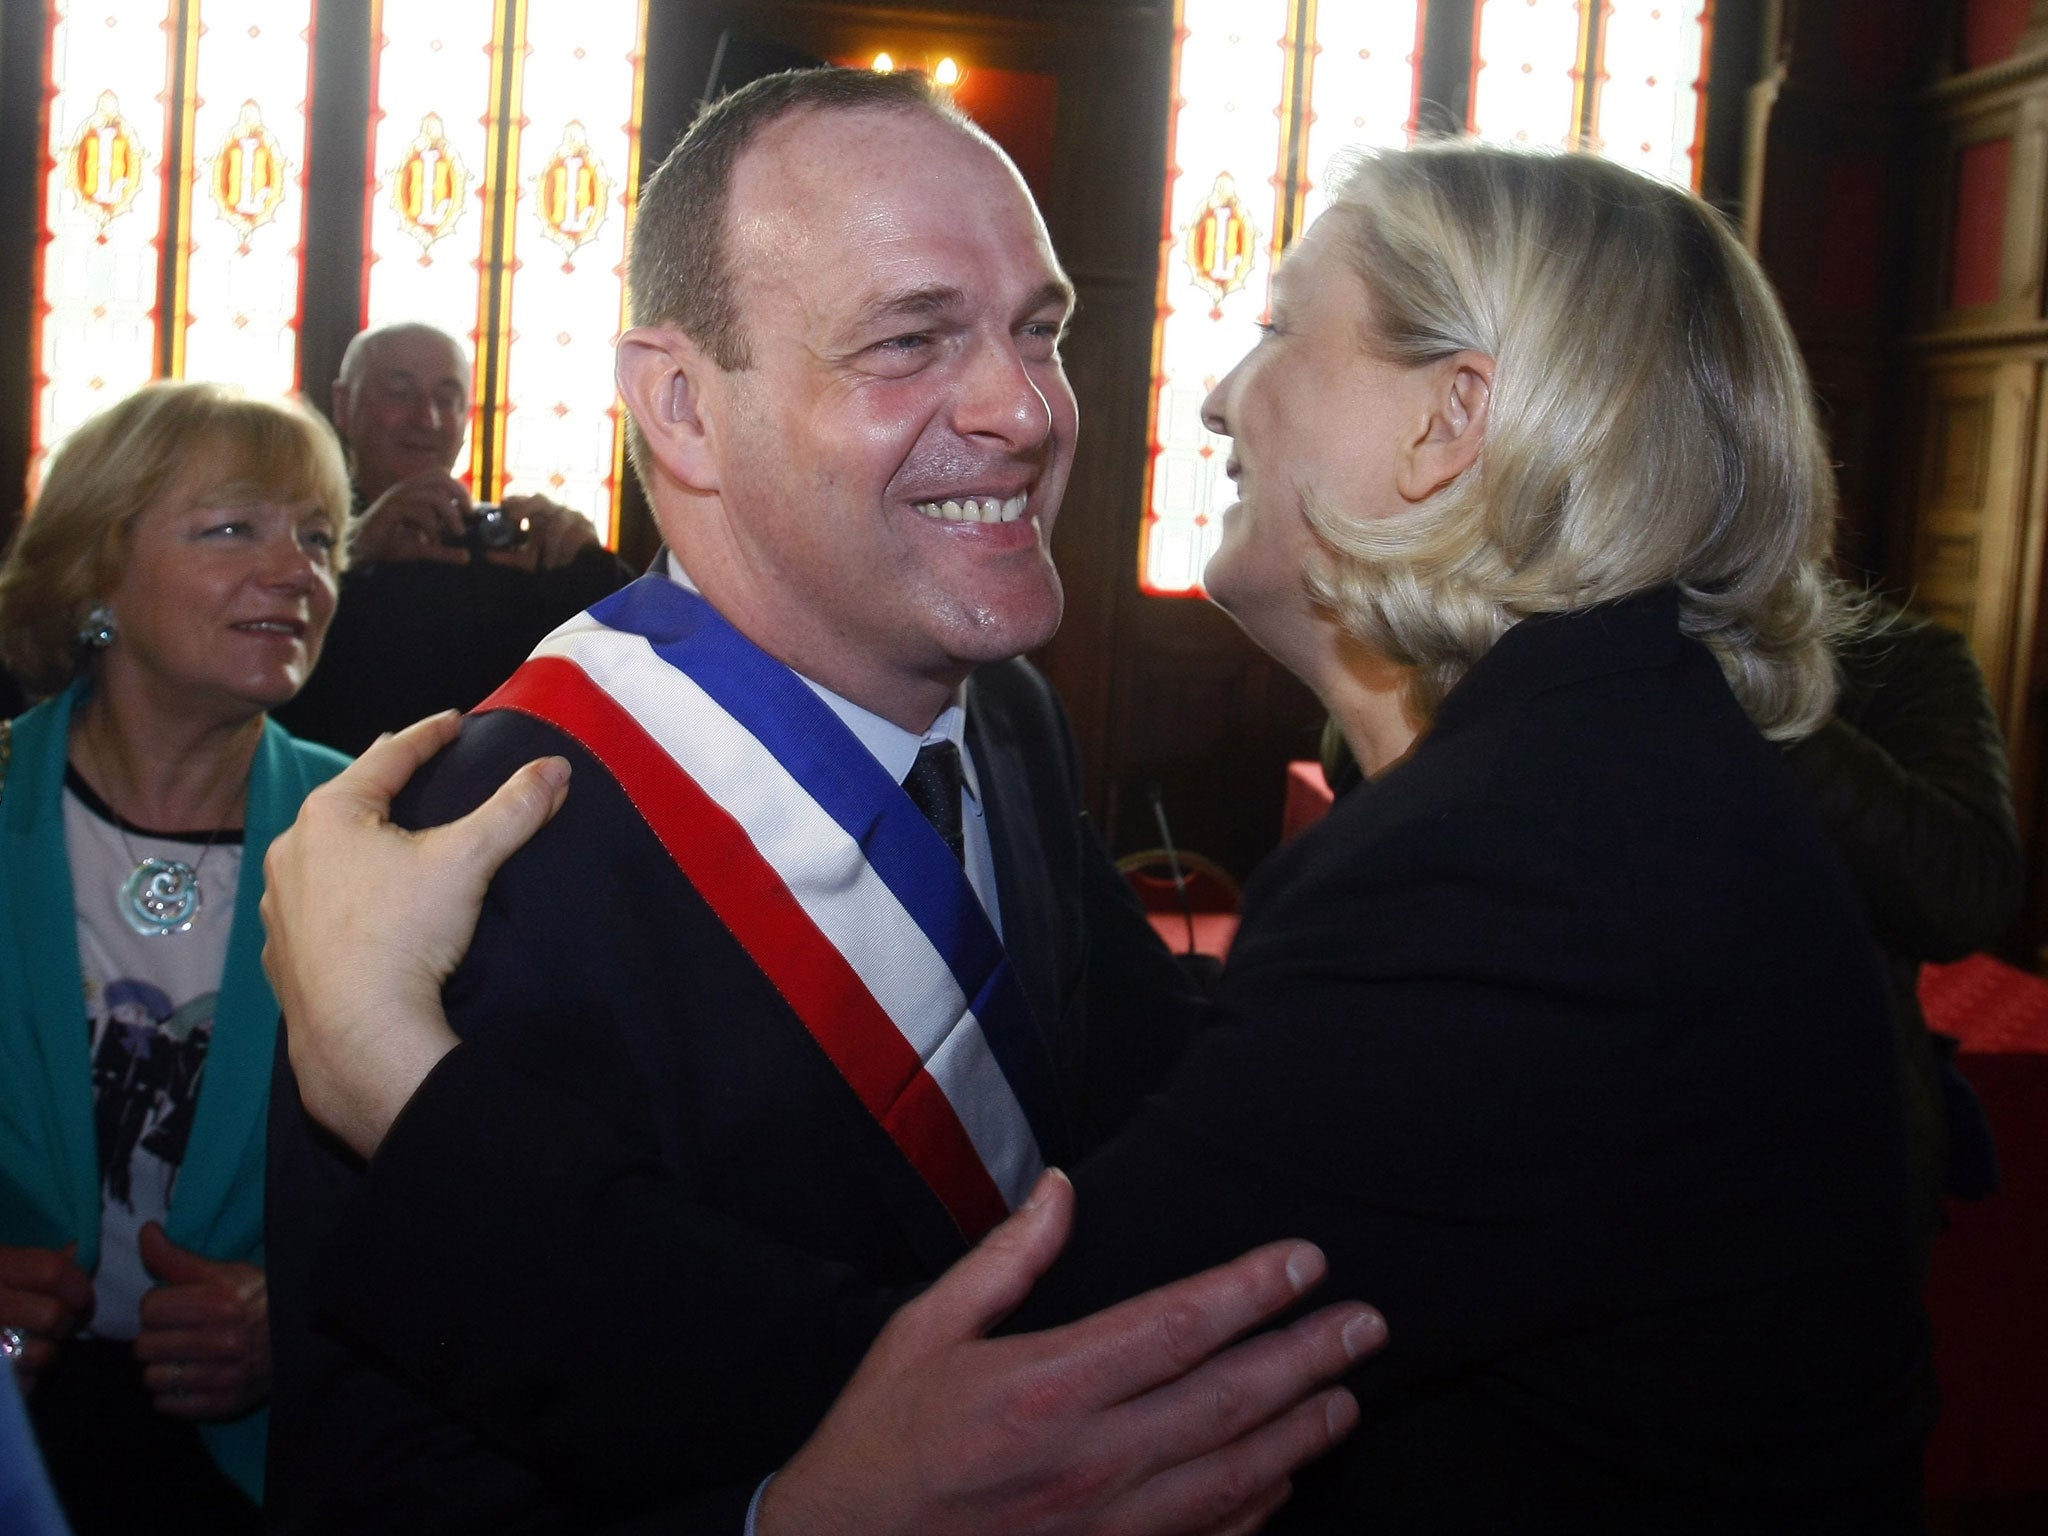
890 744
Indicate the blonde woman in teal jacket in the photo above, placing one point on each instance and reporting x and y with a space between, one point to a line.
171 586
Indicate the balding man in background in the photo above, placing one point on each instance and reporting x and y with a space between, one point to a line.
439 603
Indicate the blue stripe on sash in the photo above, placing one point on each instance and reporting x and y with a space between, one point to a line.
781 712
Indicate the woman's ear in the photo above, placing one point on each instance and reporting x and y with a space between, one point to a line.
1457 392
671 386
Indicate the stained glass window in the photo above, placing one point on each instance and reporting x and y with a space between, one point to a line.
109 78
1292 84
1528 71
559 424
1365 87
528 265
1650 93
1645 61
236 310
174 209
434 94
1226 173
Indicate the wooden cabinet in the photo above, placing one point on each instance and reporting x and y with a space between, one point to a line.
1971 520
1976 511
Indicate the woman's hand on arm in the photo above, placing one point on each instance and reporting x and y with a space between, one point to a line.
44 1296
1142 1418
366 921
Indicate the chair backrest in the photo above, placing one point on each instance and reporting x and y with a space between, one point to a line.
1209 886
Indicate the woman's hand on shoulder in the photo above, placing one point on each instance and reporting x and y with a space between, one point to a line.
365 922
44 1296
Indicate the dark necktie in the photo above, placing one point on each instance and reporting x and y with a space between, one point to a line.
933 785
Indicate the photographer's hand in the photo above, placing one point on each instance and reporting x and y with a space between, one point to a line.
415 520
555 534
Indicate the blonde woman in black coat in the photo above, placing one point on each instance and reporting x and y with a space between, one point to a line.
1568 1042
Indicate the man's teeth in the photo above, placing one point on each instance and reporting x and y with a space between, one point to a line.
976 509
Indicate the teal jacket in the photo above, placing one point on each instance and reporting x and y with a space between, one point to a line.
49 1164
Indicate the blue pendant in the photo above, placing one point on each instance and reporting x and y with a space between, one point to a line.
161 897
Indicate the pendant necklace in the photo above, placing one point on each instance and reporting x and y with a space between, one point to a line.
161 896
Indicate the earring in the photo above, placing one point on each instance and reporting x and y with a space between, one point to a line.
97 632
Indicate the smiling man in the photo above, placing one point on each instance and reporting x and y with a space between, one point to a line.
820 931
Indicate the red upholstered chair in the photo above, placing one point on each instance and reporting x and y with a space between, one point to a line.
1200 917
1989 1275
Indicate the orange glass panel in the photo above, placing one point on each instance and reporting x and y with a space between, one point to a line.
433 111
108 84
1232 72
560 422
1650 88
1365 84
1527 71
245 195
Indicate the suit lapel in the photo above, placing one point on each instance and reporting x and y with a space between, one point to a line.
1024 885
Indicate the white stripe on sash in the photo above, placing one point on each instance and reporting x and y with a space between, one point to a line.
830 878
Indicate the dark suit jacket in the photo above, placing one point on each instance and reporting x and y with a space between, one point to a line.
444 1363
1567 1041
413 637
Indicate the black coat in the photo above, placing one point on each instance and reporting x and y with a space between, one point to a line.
1566 1039
1567 1042
475 1337
1910 779
411 638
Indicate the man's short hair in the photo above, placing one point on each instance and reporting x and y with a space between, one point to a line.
355 358
682 273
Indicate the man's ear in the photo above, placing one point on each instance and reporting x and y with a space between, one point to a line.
665 378
337 405
1457 392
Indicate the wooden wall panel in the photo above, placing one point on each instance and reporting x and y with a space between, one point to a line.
1094 542
1830 200
1971 511
1981 172
1970 531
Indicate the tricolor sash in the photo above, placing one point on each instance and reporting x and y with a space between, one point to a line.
839 890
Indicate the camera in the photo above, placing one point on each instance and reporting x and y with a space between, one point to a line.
488 526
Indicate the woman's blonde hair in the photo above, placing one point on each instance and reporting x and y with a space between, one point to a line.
1650 423
71 549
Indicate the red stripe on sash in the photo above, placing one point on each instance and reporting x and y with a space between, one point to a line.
717 857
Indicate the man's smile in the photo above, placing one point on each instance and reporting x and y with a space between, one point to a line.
976 509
